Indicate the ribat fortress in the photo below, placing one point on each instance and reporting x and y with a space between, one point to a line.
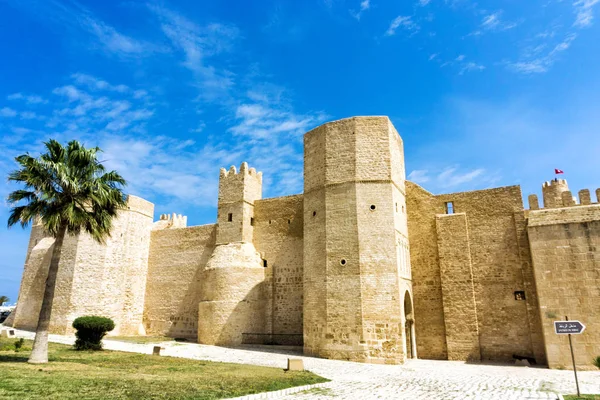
362 266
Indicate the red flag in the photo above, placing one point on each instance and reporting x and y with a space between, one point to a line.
558 171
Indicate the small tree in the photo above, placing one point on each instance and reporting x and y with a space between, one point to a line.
90 331
69 190
596 362
4 299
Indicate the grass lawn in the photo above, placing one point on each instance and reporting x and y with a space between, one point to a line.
141 339
582 397
116 375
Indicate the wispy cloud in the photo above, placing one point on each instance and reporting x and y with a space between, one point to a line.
493 23
73 15
461 63
29 99
471 66
584 12
7 112
262 121
198 44
364 6
452 177
97 84
419 176
448 178
401 21
423 3
541 64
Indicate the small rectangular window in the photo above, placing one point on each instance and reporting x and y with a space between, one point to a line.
519 295
449 207
230 217
251 221
265 263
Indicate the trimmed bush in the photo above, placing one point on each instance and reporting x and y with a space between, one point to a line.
596 362
19 344
90 331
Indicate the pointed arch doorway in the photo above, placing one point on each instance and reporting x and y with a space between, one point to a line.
409 327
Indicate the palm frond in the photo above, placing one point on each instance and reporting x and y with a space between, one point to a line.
67 187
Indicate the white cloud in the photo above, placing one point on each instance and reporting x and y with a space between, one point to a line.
419 176
72 15
7 112
423 3
140 94
97 84
28 115
584 12
451 177
198 44
471 66
29 99
404 22
543 63
460 57
433 56
364 6
114 41
263 121
493 23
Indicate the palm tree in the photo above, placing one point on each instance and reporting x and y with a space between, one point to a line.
4 299
67 189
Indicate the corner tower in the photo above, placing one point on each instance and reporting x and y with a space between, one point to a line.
357 278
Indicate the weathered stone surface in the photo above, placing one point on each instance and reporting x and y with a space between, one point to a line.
565 246
460 312
295 364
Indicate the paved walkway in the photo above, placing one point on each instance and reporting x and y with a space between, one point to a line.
417 379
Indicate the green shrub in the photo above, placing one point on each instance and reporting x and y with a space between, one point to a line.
90 331
596 362
19 344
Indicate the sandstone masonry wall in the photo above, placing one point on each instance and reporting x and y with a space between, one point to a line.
500 264
421 208
460 313
278 236
497 271
177 257
565 246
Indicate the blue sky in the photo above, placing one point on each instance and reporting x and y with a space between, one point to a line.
484 93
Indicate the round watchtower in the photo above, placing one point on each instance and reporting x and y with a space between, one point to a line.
552 192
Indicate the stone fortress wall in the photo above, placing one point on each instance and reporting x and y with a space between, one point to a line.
362 266
564 237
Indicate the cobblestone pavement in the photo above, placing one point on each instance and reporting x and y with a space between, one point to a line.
417 379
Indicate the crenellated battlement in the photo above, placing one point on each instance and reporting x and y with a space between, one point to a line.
244 170
563 194
170 221
555 182
243 185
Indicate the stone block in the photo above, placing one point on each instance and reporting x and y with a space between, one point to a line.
156 350
295 364
7 333
522 363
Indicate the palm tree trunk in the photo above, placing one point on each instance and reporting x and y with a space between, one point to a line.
39 353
